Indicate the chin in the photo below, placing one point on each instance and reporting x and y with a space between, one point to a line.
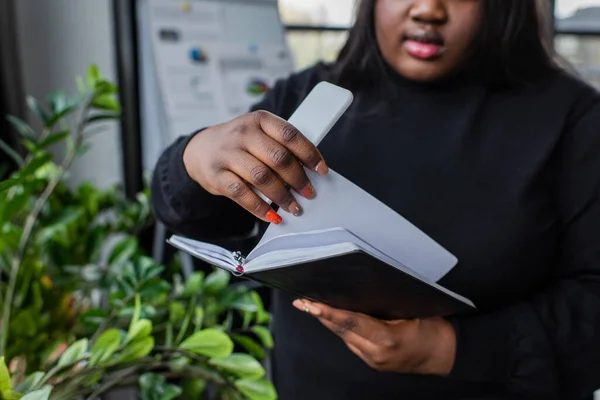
422 71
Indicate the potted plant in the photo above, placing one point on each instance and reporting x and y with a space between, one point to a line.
84 309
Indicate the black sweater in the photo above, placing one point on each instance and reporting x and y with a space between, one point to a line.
506 179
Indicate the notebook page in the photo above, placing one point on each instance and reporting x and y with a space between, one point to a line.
340 203
278 246
207 252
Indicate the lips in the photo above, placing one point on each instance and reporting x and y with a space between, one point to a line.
424 45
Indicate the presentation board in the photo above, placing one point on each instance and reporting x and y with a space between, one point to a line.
204 62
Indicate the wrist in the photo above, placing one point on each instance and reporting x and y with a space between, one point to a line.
190 156
441 352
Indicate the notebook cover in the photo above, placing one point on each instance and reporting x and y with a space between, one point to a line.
361 283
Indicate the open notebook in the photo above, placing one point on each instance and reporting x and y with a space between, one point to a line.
377 263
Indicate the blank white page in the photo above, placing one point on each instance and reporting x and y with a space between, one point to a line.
340 203
314 240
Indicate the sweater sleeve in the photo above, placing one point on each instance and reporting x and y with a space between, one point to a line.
549 345
184 206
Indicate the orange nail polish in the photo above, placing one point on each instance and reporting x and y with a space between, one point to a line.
273 217
308 191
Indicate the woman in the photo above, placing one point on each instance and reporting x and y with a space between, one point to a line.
463 124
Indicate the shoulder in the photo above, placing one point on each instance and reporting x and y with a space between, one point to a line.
575 105
556 102
287 93
569 92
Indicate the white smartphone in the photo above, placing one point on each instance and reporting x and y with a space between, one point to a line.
318 113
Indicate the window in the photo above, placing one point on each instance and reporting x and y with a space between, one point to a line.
316 29
577 37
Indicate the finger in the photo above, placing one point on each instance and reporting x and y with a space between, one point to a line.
356 351
257 174
291 138
282 161
233 187
364 345
361 324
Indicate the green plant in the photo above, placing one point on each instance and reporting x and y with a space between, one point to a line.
63 247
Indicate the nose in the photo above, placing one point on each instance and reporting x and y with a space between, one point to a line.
429 12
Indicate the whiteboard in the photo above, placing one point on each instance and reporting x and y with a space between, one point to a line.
204 62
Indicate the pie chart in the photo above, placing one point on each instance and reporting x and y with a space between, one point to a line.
198 55
257 87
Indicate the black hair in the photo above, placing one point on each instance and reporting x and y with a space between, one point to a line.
511 46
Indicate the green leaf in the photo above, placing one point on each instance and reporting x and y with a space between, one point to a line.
243 301
146 311
136 350
264 335
105 346
37 110
106 87
229 394
42 394
193 389
209 342
15 204
250 345
123 251
242 365
12 395
136 311
107 102
216 281
59 225
139 330
155 387
16 157
154 288
30 382
22 127
93 76
61 105
103 117
198 318
176 311
262 317
74 353
54 138
93 317
8 183
35 163
5 383
256 390
81 85
193 284
58 101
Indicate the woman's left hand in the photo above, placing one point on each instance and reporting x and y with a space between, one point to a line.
417 346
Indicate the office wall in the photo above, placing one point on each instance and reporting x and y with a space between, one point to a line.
58 40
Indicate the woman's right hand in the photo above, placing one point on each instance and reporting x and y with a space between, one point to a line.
258 150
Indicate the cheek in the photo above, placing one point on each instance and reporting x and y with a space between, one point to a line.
388 23
467 28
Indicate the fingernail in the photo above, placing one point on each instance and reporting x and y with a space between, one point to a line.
308 191
302 306
321 168
295 209
273 217
298 304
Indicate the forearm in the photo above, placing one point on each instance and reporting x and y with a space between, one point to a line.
540 348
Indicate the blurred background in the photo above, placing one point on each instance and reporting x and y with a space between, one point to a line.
44 44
